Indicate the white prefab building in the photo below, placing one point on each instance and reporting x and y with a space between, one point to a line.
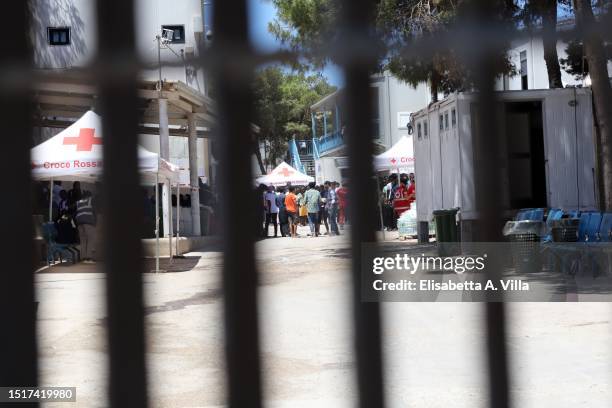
547 152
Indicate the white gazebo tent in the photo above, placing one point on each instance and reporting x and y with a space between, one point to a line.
75 154
399 158
283 174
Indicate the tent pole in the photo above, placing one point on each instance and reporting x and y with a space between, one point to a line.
178 216
157 222
51 199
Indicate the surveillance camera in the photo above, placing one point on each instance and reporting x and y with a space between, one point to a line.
209 35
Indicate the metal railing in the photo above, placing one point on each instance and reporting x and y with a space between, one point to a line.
232 63
329 142
294 152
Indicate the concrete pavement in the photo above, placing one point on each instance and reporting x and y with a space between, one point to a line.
434 352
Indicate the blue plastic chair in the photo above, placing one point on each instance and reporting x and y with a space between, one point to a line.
605 228
592 228
554 214
582 227
537 214
574 213
522 215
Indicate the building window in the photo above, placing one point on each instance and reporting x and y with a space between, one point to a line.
403 118
446 120
425 129
58 35
419 134
454 117
175 34
441 120
524 78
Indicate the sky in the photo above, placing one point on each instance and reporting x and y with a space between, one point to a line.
261 12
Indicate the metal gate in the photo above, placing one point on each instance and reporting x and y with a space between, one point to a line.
232 63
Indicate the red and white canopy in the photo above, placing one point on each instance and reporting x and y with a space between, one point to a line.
76 154
283 174
399 156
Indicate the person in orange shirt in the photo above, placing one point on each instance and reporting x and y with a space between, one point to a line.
291 205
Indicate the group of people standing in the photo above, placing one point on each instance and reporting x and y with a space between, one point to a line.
75 215
398 194
291 206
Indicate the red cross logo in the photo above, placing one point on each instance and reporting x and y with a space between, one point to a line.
85 141
285 172
393 160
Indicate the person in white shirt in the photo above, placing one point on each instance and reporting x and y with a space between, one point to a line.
271 210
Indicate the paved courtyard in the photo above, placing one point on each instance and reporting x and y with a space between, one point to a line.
434 352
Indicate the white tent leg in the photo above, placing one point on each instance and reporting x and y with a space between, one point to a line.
50 199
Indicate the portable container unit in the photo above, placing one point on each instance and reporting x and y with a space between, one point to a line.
547 151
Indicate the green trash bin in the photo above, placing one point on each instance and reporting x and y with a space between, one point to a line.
447 235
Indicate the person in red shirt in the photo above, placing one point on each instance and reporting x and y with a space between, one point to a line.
411 190
403 196
342 193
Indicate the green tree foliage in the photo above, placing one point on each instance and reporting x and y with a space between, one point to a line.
282 104
575 62
309 26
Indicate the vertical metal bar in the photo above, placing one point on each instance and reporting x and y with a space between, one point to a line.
489 230
234 79
488 193
358 16
123 213
18 362
314 125
325 123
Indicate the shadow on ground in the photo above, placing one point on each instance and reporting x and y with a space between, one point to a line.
182 264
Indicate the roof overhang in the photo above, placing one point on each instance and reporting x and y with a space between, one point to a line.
65 95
